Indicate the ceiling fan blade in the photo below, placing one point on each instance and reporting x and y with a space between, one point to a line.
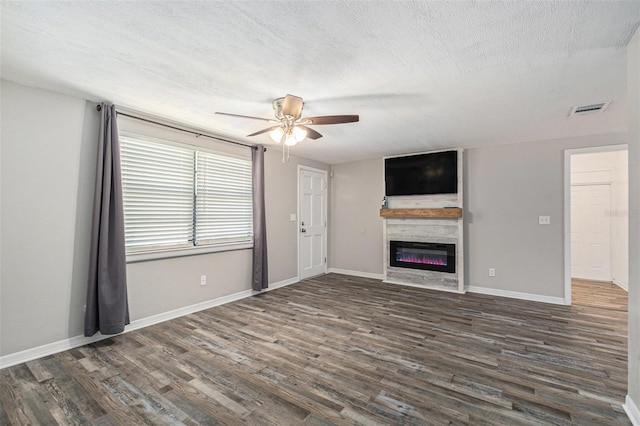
244 116
311 134
292 106
259 132
331 119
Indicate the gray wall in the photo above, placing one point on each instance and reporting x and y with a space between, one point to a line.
163 285
48 157
633 75
281 198
356 230
507 188
46 152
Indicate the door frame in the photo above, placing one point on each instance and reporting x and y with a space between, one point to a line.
567 207
302 167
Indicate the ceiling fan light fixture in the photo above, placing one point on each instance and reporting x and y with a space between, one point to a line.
276 134
290 139
292 135
299 133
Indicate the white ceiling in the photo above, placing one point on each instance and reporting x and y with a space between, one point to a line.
422 75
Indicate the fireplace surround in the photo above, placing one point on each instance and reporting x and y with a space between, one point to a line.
432 218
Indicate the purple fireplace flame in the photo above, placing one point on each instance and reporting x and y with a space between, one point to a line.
429 257
420 255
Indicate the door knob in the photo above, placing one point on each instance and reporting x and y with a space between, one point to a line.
303 230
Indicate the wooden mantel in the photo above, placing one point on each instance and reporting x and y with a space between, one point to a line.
449 213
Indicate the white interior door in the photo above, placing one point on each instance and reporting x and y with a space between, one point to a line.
312 221
591 232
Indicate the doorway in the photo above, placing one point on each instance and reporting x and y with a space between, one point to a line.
312 215
596 227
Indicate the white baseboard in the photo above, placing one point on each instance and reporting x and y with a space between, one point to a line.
280 284
356 273
76 341
632 411
517 295
622 285
425 287
48 349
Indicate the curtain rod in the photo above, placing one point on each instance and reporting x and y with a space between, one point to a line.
198 134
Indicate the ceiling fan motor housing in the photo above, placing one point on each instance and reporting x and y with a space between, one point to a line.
289 107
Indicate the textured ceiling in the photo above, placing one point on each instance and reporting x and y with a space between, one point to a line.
422 75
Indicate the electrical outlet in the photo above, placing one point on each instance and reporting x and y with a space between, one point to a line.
203 280
544 220
492 272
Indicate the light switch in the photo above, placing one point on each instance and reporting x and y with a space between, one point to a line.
544 220
292 218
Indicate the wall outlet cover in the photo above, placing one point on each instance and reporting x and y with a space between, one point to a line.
544 220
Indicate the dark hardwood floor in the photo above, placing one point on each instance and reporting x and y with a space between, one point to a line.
343 350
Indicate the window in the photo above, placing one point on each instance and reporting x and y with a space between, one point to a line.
179 196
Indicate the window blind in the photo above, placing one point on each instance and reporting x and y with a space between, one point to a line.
158 193
179 196
223 199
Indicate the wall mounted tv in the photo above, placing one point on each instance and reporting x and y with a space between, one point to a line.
435 173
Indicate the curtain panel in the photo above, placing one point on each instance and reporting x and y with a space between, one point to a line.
107 308
260 269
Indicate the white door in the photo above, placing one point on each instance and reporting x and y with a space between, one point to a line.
591 232
312 222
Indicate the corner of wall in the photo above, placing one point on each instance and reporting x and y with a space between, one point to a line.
631 408
633 87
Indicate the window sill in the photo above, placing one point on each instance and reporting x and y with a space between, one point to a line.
189 251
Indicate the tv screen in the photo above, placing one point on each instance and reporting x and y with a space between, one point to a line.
435 173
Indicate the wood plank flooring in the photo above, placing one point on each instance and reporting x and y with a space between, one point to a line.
342 350
598 294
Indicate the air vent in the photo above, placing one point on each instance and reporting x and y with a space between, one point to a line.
588 109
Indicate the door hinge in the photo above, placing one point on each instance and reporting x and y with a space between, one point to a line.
325 260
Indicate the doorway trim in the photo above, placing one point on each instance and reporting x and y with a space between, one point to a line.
567 207
302 167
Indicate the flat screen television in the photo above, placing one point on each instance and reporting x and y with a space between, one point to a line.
435 173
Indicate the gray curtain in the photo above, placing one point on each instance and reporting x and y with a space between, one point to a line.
107 307
260 270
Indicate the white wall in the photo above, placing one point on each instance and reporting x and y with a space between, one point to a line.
48 157
611 167
356 229
620 219
633 84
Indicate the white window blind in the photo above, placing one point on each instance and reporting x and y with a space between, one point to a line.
223 199
176 196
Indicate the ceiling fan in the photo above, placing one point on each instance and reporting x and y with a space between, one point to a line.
289 127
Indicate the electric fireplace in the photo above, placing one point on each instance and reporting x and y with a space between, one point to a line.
426 256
